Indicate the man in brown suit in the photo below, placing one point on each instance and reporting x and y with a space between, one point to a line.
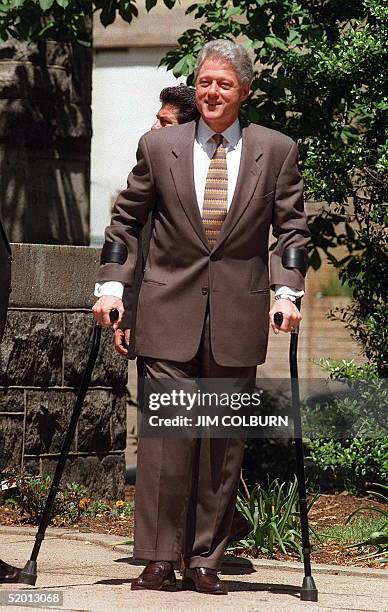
8 573
214 188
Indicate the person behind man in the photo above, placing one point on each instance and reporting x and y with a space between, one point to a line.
177 106
8 573
215 188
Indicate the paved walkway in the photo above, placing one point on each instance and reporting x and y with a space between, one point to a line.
94 573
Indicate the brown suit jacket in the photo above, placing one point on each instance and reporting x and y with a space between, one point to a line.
182 275
5 277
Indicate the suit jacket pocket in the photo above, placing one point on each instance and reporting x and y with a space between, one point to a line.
151 281
259 278
259 290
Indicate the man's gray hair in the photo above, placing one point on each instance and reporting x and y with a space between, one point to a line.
227 51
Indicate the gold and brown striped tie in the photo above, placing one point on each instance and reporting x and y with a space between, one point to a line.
216 193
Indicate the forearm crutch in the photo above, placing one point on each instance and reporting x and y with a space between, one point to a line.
295 258
28 575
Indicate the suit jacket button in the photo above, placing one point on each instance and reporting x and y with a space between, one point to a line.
205 290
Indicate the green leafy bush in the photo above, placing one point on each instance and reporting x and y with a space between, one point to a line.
31 494
97 508
63 19
71 502
347 456
123 508
350 464
273 515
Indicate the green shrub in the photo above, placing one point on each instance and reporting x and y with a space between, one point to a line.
97 508
273 515
71 502
347 457
351 464
31 494
123 508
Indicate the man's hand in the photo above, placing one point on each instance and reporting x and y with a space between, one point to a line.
102 308
120 335
291 315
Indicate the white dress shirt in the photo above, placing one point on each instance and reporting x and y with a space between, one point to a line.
204 148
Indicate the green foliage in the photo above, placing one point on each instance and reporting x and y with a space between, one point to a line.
63 20
378 539
351 463
273 515
358 529
336 288
123 508
322 77
31 494
97 508
100 508
340 369
347 455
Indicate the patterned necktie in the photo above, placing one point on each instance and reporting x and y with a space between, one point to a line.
216 193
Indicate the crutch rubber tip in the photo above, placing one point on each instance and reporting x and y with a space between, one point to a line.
309 591
28 575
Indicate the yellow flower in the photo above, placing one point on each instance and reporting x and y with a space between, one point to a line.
120 503
85 501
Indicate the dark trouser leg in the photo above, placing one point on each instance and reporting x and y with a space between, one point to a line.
163 479
186 488
212 502
213 497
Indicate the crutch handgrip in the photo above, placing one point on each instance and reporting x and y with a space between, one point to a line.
114 315
278 319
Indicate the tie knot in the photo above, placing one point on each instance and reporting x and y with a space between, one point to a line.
218 139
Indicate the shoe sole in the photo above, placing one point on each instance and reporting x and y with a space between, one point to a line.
166 586
190 586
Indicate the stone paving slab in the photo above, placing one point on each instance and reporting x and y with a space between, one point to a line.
95 577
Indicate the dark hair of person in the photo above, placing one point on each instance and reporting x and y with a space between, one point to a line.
183 97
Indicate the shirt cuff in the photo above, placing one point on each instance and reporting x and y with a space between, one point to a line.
112 288
283 290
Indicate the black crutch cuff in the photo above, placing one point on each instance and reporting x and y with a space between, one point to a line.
114 252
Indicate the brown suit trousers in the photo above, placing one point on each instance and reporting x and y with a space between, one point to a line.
186 488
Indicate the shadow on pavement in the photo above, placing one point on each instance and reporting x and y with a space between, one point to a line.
233 586
235 566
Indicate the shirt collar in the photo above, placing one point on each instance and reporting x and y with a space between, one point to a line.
232 134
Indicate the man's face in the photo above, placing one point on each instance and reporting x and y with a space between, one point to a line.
219 93
167 116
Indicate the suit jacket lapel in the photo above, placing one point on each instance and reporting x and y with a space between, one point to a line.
182 171
248 176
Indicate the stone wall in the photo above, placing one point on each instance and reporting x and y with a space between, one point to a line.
45 136
42 358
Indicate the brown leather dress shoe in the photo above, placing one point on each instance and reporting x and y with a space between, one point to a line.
156 576
8 573
203 580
